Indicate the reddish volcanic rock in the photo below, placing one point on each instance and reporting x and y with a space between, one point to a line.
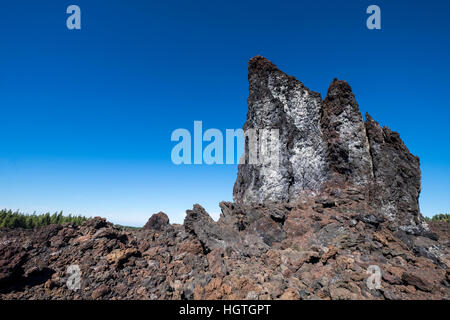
158 221
340 221
328 259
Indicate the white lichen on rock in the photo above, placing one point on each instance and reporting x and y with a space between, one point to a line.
324 145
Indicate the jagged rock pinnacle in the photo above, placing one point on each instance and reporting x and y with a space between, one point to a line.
345 134
278 101
325 144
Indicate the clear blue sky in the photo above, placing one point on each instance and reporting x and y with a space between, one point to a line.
86 116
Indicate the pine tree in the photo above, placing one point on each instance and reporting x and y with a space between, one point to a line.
10 219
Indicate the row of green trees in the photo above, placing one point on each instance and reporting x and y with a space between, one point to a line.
439 217
10 219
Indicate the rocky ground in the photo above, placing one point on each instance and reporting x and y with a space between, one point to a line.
337 217
318 249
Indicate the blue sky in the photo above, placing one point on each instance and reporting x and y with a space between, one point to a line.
86 115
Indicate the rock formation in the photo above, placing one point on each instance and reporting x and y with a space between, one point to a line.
342 203
159 221
278 101
348 150
323 145
396 178
322 249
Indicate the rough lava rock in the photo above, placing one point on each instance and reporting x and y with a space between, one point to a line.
158 221
313 250
326 146
279 101
343 200
397 178
345 133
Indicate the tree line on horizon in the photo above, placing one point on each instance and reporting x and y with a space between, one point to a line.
10 219
445 217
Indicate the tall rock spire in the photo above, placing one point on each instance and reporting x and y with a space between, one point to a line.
345 133
325 144
279 101
396 178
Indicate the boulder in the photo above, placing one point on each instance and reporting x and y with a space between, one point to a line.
158 221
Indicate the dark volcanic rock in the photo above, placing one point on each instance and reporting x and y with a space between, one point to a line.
397 178
345 134
278 101
12 259
342 203
325 145
199 223
245 255
158 221
96 223
224 234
